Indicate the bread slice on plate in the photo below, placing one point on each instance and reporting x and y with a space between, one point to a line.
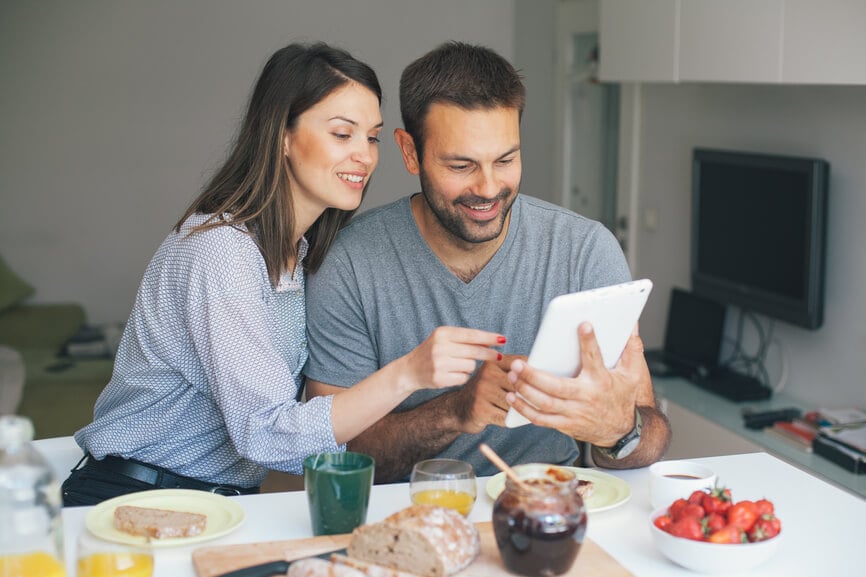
422 539
158 523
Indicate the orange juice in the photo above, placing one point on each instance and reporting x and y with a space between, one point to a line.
38 563
116 565
458 500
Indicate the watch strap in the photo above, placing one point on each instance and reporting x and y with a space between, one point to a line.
627 444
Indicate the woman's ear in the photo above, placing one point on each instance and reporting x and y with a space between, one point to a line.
406 144
287 142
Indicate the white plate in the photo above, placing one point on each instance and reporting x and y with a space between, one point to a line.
223 515
607 492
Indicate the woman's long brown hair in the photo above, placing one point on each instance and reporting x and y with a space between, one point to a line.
252 186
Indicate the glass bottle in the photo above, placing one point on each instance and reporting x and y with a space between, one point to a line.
540 526
30 529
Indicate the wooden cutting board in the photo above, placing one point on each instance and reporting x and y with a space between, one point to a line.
592 561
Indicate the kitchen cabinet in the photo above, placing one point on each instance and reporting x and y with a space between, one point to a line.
638 40
730 40
825 42
758 41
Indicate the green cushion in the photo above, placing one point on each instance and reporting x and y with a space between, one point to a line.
13 289
46 326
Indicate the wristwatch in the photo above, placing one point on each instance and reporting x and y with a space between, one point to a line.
625 446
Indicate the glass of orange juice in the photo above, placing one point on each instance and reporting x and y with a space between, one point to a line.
444 482
41 563
100 558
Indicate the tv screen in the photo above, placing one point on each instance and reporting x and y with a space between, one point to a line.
758 230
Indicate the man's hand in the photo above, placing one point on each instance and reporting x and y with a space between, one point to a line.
596 406
481 401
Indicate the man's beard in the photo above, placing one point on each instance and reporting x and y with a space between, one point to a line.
457 224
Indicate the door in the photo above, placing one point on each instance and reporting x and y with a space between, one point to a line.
594 169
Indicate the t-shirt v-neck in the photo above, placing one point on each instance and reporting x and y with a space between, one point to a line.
446 275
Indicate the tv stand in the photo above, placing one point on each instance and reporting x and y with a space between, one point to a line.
705 424
732 385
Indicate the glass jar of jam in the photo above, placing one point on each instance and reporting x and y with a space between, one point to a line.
539 527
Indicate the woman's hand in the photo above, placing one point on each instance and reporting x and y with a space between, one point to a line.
448 357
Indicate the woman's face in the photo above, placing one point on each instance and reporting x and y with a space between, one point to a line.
332 151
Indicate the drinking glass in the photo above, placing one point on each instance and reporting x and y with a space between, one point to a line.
100 558
444 482
338 490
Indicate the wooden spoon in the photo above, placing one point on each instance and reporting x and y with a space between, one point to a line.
503 466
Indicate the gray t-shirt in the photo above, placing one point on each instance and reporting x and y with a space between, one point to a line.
381 291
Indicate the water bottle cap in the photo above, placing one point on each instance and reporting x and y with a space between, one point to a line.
15 430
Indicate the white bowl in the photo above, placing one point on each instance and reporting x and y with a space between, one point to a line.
670 480
712 557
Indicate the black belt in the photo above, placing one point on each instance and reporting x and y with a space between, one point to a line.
160 477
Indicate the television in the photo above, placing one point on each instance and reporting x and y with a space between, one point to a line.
758 232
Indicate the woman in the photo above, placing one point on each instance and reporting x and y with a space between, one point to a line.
205 391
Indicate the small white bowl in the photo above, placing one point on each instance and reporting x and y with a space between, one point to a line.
670 480
706 557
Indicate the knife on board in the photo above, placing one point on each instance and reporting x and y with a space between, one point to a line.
277 567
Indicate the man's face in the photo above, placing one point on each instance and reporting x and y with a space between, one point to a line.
471 169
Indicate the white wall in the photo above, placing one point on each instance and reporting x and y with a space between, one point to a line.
114 113
534 57
828 366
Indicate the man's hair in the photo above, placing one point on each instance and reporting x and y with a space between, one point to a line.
465 75
252 186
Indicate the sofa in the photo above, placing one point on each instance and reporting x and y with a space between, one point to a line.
58 391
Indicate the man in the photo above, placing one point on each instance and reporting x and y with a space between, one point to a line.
469 251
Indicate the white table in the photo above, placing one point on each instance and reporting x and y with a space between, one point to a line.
821 523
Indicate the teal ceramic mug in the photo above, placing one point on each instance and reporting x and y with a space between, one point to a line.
338 490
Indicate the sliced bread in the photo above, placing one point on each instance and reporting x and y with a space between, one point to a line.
314 567
158 523
369 569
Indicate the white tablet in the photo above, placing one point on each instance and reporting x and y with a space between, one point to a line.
612 311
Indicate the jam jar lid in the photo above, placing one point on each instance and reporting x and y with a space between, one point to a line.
544 482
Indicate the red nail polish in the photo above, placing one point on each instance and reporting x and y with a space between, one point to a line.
501 340
498 356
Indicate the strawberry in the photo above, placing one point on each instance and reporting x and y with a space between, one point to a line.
678 504
765 527
663 522
697 497
687 510
688 527
743 514
713 522
765 507
718 500
728 534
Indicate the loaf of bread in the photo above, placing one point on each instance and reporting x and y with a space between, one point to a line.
158 523
422 539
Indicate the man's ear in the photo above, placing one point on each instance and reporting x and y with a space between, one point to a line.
406 144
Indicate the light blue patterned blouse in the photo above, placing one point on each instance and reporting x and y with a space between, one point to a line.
208 371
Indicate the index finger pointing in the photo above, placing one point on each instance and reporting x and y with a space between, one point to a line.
476 337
